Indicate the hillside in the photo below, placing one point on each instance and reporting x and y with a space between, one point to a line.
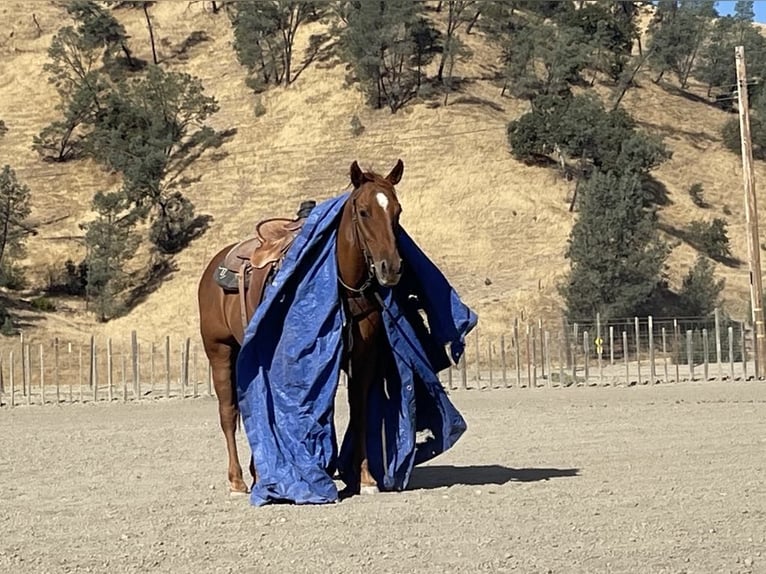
475 210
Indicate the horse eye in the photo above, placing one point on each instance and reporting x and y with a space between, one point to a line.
363 213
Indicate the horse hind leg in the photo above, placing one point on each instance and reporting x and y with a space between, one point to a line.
222 359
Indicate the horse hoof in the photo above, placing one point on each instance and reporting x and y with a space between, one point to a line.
363 490
238 493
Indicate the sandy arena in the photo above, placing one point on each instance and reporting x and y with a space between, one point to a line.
664 479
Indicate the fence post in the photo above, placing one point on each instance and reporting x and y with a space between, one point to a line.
599 349
665 355
677 348
652 368
529 358
56 369
109 369
134 360
478 360
69 364
625 356
705 350
547 354
575 335
689 354
124 376
79 371
517 351
503 364
194 371
540 338
638 349
535 335
586 353
744 350
24 380
611 345
28 373
151 369
717 313
562 360
93 368
42 375
167 366
489 359
463 372
730 332
12 380
186 363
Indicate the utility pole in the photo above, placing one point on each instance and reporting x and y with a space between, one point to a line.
751 213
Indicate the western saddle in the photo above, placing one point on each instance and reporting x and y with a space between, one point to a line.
252 262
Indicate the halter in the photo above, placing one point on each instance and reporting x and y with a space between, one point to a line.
360 241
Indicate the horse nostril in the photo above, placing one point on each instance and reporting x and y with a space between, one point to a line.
383 267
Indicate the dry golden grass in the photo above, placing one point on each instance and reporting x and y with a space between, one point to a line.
477 212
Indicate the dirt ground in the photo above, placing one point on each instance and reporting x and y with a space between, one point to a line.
641 480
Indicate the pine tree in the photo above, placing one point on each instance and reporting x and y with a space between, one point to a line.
111 243
379 43
614 250
14 209
700 291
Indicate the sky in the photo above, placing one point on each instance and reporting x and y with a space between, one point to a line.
726 7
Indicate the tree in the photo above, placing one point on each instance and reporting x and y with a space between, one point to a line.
615 253
700 291
73 69
264 36
99 29
378 43
425 40
579 127
110 242
14 209
151 130
611 30
457 15
677 34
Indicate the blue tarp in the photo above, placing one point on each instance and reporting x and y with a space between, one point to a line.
289 365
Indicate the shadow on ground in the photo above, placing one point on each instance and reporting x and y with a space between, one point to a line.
427 477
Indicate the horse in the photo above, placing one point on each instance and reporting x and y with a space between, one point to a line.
367 257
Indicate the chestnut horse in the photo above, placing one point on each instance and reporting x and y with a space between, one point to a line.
367 256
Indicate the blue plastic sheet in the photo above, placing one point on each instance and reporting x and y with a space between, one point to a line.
289 364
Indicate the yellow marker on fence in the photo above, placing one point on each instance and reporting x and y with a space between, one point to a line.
599 345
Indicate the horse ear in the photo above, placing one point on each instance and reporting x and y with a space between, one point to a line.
357 177
396 174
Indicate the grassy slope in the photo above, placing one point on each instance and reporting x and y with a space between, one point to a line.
476 211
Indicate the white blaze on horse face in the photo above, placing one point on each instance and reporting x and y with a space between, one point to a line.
382 200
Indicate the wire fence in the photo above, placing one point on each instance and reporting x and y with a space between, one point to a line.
63 371
532 354
618 352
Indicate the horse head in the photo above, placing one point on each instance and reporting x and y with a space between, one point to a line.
375 214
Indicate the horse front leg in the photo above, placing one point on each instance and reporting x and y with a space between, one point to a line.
365 375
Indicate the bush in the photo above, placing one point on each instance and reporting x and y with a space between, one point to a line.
710 238
43 304
357 128
172 230
700 291
72 280
259 109
696 192
11 277
7 327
